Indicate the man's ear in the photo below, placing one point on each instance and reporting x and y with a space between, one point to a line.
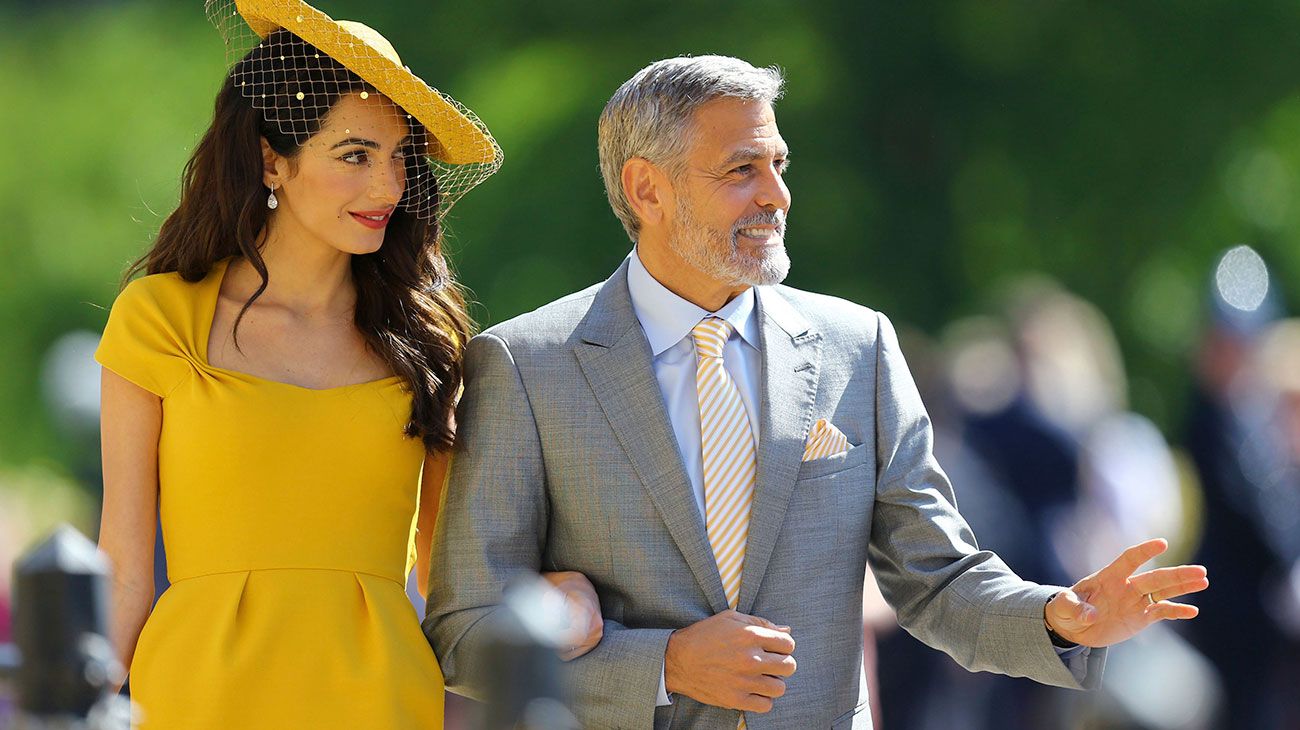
648 190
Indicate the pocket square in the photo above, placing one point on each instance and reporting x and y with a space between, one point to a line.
824 440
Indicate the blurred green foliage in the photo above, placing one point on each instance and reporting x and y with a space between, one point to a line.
939 150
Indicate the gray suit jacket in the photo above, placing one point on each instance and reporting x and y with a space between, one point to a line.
568 462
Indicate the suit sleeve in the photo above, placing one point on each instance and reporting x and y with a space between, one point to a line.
493 518
493 526
948 593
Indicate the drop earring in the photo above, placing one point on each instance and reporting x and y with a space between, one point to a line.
271 201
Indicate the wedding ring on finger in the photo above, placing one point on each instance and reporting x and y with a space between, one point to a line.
1151 601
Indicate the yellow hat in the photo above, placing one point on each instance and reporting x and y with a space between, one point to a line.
369 55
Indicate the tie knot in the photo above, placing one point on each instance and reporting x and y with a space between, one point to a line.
711 336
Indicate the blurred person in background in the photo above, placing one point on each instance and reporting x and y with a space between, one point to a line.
1241 436
281 385
1046 375
1129 484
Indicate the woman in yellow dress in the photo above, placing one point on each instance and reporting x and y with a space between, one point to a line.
280 388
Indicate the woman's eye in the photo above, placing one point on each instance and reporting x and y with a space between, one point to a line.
356 158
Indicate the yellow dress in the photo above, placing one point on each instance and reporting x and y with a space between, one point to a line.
288 515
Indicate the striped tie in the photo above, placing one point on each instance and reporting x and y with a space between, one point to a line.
730 462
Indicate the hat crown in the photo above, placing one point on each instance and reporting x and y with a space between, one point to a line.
372 38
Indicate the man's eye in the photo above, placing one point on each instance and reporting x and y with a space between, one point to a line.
744 169
782 166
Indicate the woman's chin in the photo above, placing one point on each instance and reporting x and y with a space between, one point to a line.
361 248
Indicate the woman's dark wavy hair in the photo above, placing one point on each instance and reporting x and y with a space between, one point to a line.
409 307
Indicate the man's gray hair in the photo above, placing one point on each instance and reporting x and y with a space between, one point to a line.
651 113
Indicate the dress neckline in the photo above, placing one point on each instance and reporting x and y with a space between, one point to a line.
215 278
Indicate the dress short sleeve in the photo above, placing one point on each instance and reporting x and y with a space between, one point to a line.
142 341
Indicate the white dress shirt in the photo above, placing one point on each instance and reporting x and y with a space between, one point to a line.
667 320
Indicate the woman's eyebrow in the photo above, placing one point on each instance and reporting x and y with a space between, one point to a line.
367 143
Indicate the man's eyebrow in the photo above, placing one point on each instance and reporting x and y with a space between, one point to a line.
747 154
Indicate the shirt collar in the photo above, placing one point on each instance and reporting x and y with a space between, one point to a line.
667 318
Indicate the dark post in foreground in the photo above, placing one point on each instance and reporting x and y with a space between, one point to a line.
529 688
63 666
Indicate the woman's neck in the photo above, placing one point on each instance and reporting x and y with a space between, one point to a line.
305 277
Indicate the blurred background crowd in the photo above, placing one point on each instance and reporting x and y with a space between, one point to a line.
1085 218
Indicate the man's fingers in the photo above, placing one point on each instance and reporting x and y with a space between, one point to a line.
1133 558
1167 611
755 703
779 665
1165 583
766 686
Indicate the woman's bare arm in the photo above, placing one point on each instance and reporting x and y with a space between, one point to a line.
130 424
431 485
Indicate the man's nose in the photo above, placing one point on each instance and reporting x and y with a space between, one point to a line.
773 193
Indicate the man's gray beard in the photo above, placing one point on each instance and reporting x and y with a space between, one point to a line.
717 254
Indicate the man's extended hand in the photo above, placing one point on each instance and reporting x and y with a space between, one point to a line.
1113 604
730 660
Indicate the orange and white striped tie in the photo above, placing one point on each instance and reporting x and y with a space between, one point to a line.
730 461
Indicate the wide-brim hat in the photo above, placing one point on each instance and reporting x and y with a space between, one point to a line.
369 55
293 62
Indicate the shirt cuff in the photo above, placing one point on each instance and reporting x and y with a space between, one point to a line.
663 689
1075 658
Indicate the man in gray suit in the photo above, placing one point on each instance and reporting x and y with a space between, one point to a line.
725 495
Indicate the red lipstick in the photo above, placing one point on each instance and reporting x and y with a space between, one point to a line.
374 219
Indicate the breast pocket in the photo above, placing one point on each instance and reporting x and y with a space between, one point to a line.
842 487
831 465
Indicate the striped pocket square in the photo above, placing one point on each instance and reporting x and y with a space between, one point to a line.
824 440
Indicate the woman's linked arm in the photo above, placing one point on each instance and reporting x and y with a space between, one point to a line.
130 423
585 621
585 625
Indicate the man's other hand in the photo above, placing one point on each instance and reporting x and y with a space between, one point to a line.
730 660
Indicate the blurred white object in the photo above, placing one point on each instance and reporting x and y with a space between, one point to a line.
70 380
1241 278
1156 680
1287 602
1130 493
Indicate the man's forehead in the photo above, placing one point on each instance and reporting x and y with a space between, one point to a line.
729 128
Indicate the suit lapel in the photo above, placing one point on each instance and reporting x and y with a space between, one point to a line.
791 355
616 360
